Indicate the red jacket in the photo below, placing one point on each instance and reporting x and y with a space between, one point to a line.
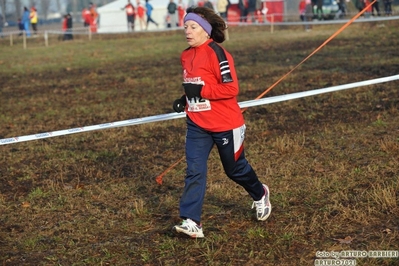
220 110
86 15
140 11
129 10
64 24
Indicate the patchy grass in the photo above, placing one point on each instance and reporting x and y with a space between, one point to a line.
331 160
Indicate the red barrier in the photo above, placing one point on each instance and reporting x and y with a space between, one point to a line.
271 8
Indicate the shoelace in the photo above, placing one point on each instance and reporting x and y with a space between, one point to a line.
259 205
190 224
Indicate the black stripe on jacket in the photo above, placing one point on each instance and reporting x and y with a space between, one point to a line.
223 63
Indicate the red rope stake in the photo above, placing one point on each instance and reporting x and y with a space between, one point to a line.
160 177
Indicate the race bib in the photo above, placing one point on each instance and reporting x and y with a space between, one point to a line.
198 105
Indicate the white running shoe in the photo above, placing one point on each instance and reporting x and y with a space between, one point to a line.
263 206
190 228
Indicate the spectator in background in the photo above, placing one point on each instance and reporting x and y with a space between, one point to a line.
369 10
251 9
243 6
33 19
388 7
208 4
319 10
342 8
140 13
222 6
181 11
26 21
308 14
359 5
21 27
65 27
130 15
94 17
69 26
172 18
148 10
302 9
314 3
86 16
376 7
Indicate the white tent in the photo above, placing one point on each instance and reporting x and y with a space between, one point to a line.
113 19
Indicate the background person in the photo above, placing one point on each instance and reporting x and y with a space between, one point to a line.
319 10
67 26
86 16
369 10
140 14
26 21
148 10
359 4
388 7
21 27
243 6
130 15
33 19
94 17
181 11
222 6
302 9
172 16
342 8
308 15
213 118
251 10
376 7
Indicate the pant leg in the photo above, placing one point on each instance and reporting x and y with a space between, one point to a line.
149 19
173 20
199 144
231 152
27 31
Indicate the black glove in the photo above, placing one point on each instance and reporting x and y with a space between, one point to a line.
192 90
179 104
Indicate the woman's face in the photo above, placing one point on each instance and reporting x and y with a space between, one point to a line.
195 34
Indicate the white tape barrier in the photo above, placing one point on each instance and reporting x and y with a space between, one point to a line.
317 22
290 22
170 116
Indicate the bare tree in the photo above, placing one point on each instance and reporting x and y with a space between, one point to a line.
58 6
3 9
18 9
45 4
75 9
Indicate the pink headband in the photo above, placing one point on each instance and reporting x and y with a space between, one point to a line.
200 20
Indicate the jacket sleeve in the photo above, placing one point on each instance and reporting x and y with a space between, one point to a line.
225 83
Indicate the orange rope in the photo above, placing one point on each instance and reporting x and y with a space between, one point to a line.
159 178
315 51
